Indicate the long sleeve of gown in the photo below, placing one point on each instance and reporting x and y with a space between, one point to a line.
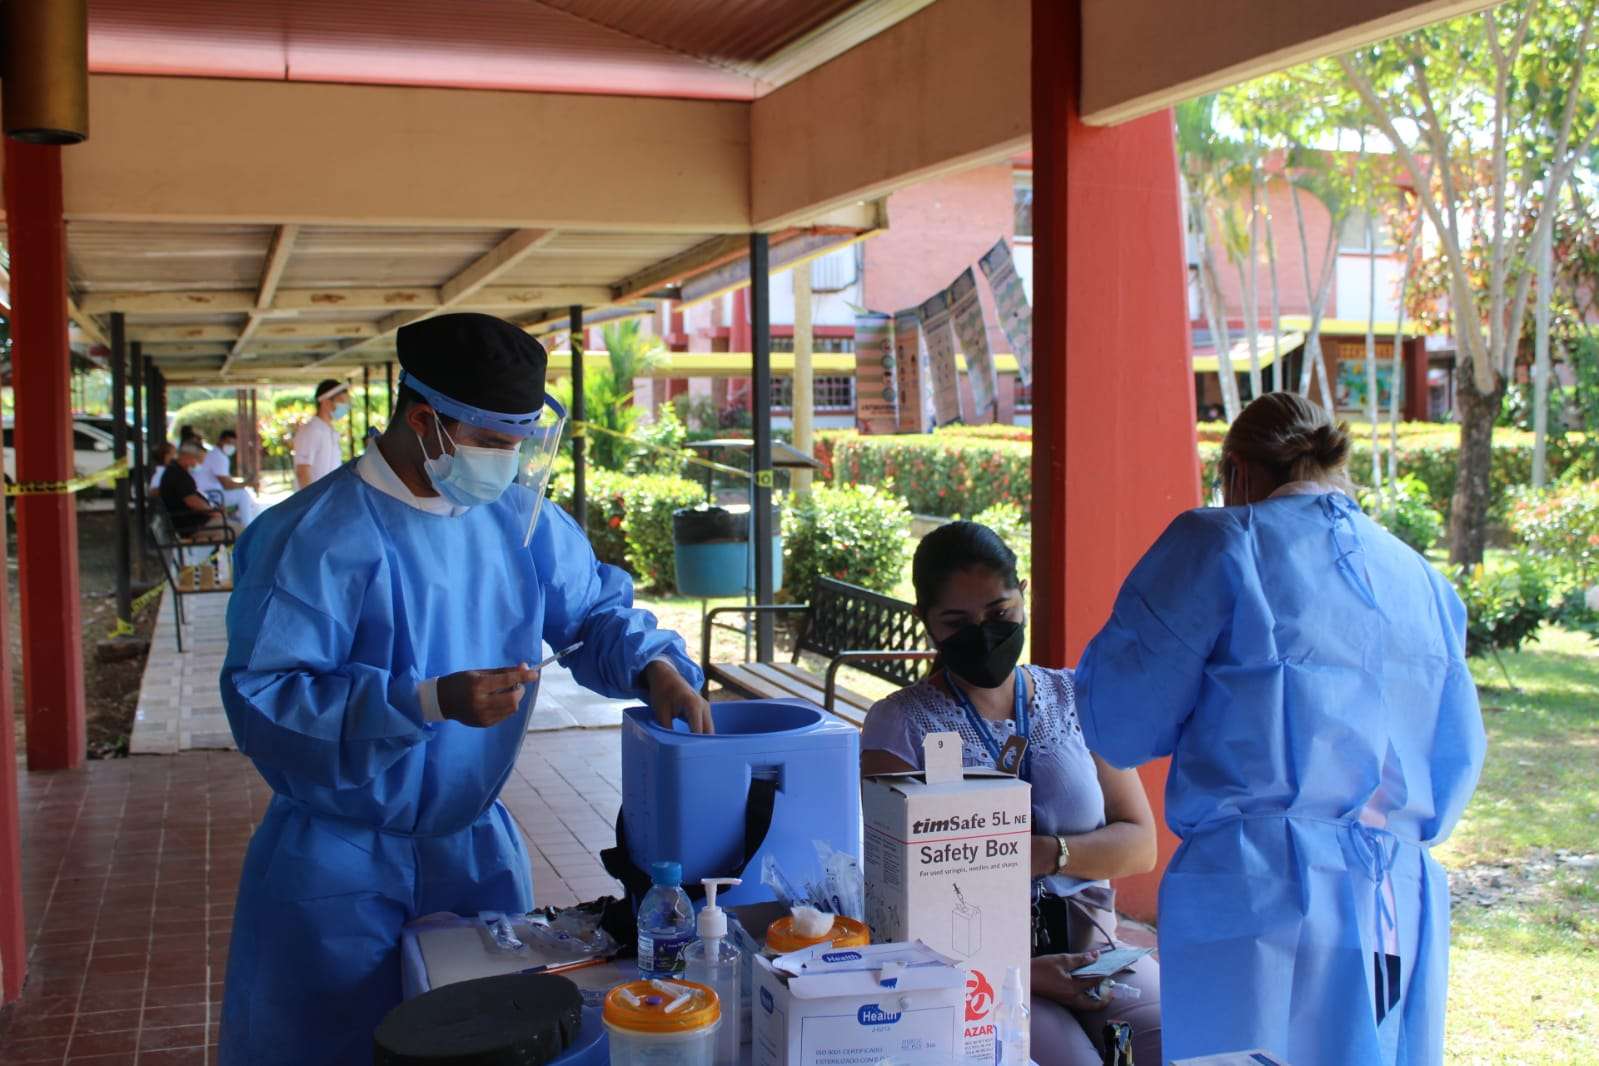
1139 678
1460 744
589 601
302 694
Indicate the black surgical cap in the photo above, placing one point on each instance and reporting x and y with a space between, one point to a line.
475 359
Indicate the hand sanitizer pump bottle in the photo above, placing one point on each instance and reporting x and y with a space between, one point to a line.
1011 1023
715 961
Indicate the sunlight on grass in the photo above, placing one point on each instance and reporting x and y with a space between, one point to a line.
1523 972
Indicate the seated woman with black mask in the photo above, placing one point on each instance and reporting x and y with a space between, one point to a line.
1091 822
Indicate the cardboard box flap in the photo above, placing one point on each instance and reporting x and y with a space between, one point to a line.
826 958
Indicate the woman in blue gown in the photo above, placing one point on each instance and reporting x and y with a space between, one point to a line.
1306 673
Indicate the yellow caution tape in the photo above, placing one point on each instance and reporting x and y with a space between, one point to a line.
683 455
124 627
114 472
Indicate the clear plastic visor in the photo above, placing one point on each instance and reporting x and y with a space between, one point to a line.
536 458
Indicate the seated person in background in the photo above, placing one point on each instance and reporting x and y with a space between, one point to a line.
1091 821
163 454
193 516
236 493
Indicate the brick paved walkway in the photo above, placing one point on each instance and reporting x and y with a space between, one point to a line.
130 868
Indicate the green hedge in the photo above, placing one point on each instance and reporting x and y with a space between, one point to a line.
630 519
209 417
1561 525
852 533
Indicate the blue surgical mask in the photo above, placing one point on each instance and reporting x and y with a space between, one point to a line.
340 410
228 450
471 475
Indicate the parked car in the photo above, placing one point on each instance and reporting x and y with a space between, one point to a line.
92 450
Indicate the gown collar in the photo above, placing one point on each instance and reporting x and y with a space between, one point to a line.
376 472
1307 488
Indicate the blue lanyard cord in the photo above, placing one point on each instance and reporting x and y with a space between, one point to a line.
985 732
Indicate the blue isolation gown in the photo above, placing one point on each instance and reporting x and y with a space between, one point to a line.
1306 672
346 599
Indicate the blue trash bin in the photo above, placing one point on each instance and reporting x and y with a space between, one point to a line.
711 551
702 800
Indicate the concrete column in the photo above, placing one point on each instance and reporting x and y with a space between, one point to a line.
1114 448
804 407
47 523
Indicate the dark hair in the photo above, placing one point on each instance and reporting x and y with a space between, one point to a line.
226 434
186 432
165 451
953 548
1293 438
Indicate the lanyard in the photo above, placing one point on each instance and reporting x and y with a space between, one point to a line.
985 733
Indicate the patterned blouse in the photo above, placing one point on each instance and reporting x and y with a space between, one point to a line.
1067 798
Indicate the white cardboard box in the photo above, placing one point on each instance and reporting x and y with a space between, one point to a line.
949 863
857 1006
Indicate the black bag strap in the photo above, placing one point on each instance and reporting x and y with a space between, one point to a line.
758 810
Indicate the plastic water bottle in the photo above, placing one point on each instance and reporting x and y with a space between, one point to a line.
1011 1022
716 962
665 923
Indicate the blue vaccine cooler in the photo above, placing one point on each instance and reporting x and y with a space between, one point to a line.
778 775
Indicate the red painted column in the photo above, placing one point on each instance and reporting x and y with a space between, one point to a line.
13 938
1417 403
47 525
1115 457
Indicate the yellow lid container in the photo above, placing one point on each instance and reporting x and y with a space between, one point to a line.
647 1007
845 933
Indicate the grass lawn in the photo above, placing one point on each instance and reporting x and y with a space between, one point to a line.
1524 972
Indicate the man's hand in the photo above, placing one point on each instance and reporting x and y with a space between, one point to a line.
672 697
483 698
1052 979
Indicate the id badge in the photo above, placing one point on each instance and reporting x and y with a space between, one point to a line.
1012 754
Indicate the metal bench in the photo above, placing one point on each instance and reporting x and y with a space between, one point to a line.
183 577
845 624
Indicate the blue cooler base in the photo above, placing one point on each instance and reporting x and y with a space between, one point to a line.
685 798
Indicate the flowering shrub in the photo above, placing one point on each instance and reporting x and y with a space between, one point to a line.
1407 513
855 534
936 474
1562 525
606 509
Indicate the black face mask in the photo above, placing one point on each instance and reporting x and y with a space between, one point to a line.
984 655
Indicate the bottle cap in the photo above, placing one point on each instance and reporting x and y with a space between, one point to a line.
669 874
712 922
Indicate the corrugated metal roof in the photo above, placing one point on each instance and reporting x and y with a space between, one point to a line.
736 32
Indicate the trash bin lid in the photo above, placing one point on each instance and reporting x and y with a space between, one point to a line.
508 1019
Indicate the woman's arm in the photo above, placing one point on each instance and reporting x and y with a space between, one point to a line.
1124 845
883 762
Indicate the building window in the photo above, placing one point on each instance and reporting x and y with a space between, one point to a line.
1022 184
829 393
1024 396
1352 234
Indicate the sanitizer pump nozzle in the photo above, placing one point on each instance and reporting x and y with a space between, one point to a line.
712 922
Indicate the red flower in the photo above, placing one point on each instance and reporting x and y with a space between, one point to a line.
616 521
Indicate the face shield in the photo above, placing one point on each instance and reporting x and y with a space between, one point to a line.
540 431
537 458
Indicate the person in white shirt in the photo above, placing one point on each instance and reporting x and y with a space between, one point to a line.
236 493
316 444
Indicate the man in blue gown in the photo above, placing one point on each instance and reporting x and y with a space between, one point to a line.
378 641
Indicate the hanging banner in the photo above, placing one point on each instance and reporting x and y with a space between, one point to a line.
945 378
875 407
912 374
1010 298
972 331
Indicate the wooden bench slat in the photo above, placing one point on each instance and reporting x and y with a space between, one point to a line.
786 681
803 678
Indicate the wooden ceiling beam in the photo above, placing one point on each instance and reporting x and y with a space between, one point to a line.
455 292
669 271
86 322
290 303
277 258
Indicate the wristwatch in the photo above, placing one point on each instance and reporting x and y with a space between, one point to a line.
1065 855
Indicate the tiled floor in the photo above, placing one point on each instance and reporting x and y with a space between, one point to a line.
130 869
180 707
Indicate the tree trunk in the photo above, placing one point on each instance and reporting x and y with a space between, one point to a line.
1540 366
1468 509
